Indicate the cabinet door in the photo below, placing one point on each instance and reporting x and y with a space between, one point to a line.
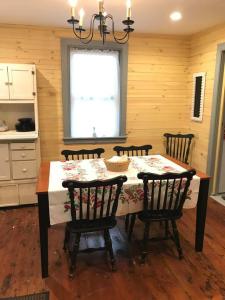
21 82
9 195
4 82
27 193
4 162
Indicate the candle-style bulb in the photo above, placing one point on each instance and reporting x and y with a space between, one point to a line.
100 6
128 8
81 13
72 4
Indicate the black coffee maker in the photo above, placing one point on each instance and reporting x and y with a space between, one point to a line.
25 124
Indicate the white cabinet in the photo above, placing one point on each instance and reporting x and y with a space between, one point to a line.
18 98
17 82
19 151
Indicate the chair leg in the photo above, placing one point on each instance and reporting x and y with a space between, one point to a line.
145 242
66 238
177 239
166 229
127 221
131 227
73 255
108 243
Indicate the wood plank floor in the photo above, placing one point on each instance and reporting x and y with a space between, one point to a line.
197 276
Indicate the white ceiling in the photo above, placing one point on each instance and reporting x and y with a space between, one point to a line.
149 15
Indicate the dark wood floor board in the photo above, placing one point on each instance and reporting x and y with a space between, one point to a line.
214 232
28 241
198 276
208 265
162 259
9 254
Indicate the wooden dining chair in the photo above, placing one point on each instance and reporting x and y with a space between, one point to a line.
132 150
178 145
93 206
83 153
164 197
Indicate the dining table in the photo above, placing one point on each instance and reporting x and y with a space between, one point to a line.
53 204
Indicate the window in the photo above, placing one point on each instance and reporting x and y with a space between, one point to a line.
94 81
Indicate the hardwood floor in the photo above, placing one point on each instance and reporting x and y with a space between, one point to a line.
164 276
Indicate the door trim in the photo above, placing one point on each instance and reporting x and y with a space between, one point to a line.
216 101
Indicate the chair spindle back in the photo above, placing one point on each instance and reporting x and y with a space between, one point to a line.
133 150
166 192
178 145
92 200
82 154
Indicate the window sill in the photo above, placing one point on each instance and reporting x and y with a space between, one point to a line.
101 140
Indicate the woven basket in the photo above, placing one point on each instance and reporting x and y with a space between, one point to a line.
117 166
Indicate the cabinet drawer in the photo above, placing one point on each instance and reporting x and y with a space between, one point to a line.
24 169
22 146
27 193
9 195
23 154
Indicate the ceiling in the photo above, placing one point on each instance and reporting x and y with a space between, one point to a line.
149 15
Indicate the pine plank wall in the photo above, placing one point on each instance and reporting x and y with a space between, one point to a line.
160 72
203 59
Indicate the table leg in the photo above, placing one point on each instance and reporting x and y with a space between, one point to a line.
43 210
201 214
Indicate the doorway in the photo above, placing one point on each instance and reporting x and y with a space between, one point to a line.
216 150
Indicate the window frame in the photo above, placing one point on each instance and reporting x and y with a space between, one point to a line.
198 101
66 45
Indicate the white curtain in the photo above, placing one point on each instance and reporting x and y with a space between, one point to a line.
94 93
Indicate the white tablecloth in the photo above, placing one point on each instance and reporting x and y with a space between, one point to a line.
131 199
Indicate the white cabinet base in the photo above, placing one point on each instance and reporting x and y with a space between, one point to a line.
23 163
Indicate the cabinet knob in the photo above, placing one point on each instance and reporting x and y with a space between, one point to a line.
24 170
23 155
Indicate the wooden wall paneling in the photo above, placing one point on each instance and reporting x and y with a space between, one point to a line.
157 83
203 47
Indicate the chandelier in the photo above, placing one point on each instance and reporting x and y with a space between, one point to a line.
101 18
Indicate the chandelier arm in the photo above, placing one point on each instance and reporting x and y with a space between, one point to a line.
87 39
74 31
121 40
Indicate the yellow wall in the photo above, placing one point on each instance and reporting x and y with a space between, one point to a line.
157 84
203 49
160 72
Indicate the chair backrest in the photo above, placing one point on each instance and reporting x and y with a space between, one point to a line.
166 192
178 145
82 154
91 200
133 150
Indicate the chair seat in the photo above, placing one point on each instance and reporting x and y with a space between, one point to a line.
160 215
91 225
